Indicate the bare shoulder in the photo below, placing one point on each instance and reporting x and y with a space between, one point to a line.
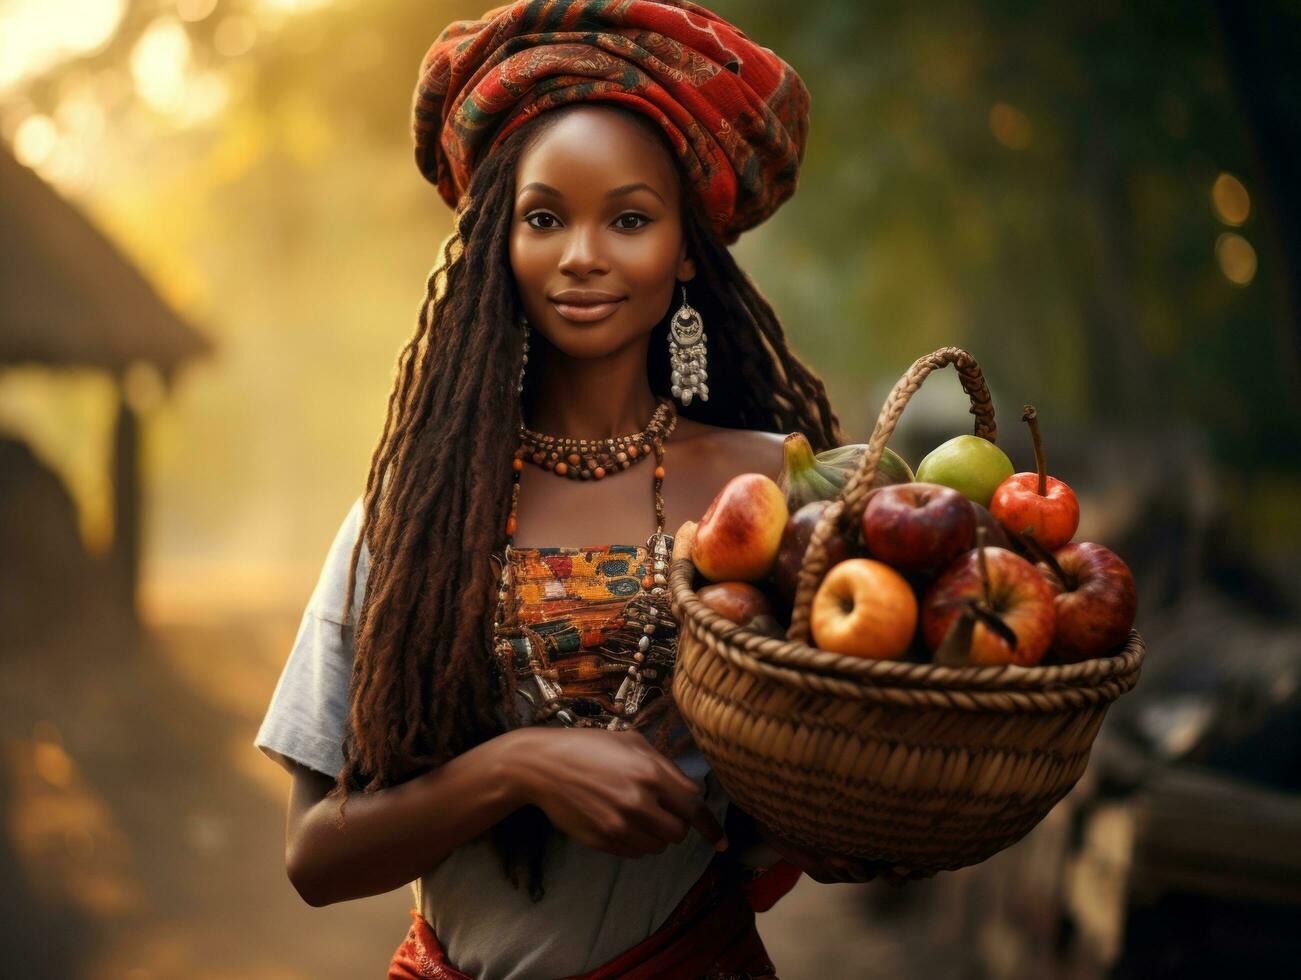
728 452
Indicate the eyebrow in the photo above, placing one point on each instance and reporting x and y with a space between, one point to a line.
616 192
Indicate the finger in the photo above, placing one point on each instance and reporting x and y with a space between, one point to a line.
686 808
677 777
662 823
682 785
693 812
668 768
704 821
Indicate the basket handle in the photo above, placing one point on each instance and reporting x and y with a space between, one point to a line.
847 509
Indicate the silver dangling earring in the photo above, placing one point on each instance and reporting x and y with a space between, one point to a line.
687 354
524 323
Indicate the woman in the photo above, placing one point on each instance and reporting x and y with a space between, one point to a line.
571 845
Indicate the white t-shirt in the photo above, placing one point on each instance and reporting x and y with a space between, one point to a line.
596 905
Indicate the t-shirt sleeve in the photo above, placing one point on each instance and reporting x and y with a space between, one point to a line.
309 709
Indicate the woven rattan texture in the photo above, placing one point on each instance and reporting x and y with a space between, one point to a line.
913 764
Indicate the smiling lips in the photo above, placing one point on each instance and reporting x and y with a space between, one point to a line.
585 305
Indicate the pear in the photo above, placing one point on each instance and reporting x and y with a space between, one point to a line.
972 465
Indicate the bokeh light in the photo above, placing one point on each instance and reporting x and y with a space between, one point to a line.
1231 200
1236 257
35 139
1010 126
195 10
159 62
235 35
35 34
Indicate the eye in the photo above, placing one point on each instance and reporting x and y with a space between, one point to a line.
528 220
631 214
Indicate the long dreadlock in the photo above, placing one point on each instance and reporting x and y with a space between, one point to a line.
423 688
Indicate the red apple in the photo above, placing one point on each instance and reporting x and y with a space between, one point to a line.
737 538
918 525
1036 501
794 542
1009 590
738 601
864 608
1096 600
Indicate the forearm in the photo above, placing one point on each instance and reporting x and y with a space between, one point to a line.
397 834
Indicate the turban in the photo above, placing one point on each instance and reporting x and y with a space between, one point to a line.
734 113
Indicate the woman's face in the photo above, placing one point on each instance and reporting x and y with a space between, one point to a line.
596 244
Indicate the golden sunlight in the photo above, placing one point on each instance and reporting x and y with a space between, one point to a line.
35 34
159 62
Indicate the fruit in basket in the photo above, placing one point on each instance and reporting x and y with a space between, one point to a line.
1006 601
865 608
918 525
995 534
738 601
806 477
972 465
1095 599
738 536
1036 501
794 542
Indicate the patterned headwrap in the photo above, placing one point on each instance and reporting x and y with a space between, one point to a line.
735 114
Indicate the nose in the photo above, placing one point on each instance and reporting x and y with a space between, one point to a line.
582 253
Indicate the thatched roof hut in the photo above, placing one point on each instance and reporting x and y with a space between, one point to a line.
72 299
71 296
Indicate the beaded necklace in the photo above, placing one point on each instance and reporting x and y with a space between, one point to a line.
646 616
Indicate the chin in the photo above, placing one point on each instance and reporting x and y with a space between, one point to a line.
588 340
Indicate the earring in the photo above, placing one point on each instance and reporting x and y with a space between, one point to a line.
687 354
524 360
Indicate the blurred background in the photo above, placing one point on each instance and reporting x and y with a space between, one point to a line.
214 243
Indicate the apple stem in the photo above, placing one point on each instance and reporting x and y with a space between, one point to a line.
980 560
1031 418
1044 555
955 649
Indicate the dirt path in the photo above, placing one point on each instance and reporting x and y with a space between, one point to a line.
145 831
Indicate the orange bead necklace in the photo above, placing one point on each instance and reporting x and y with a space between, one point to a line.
594 459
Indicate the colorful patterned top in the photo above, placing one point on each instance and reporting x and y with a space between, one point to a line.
588 631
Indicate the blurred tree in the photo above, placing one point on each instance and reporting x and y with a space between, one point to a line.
1095 199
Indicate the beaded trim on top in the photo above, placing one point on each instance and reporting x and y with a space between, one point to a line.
593 459
534 638
588 632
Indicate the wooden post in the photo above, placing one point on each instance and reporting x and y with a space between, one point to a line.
126 500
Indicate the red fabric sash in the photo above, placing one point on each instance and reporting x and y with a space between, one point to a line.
711 934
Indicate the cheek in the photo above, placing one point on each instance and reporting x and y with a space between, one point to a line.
524 257
651 268
532 269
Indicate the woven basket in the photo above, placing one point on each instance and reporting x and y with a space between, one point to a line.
919 766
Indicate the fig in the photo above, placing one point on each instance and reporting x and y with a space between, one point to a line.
806 476
794 542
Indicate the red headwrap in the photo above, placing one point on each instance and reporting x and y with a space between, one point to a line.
735 113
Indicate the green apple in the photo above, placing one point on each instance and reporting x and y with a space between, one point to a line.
969 464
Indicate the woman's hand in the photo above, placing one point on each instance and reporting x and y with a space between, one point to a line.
611 791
